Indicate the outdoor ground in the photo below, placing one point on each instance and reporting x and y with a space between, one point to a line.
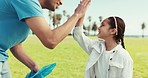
71 59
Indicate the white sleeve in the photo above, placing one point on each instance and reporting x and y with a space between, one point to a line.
82 39
128 69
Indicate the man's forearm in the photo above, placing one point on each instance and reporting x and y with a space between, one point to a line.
62 31
20 54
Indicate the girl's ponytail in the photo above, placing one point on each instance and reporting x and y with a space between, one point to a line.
122 42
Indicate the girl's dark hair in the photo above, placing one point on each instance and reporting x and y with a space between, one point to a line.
120 28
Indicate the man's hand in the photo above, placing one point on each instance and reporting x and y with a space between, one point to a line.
82 7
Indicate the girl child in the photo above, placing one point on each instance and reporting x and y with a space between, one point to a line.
107 55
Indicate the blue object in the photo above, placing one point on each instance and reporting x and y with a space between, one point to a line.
41 73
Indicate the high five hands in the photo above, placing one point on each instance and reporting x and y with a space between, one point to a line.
82 7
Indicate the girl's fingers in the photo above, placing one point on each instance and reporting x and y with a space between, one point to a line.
86 5
85 2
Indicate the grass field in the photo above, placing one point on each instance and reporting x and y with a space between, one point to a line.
71 59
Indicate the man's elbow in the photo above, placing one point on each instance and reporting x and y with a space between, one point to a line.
50 45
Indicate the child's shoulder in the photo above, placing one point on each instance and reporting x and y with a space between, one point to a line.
123 53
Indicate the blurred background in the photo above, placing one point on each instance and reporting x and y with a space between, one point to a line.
133 12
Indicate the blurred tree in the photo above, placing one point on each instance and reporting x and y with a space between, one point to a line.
100 18
50 14
84 27
56 20
143 27
89 26
94 27
64 15
67 16
64 12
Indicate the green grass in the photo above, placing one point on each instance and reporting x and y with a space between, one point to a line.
71 59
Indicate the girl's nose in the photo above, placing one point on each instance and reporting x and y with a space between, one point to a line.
98 27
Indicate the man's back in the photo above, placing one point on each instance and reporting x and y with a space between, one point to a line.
13 29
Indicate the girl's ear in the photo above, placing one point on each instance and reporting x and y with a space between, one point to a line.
113 31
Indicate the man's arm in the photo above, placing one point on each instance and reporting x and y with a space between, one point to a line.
19 52
50 38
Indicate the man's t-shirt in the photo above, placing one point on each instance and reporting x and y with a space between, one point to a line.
13 29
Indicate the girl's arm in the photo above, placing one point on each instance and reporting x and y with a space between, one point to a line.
80 37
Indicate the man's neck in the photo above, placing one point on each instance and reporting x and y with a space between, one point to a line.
42 3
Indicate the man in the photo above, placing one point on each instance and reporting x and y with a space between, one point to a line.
18 16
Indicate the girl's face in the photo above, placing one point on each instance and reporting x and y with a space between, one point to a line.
104 31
